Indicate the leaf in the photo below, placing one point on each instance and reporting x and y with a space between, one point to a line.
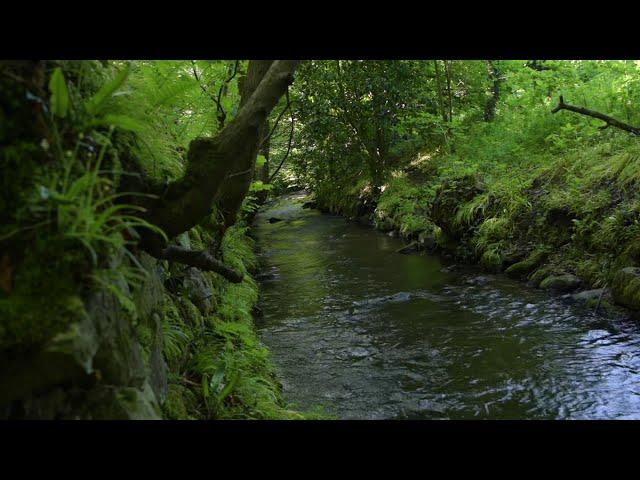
59 100
120 121
95 103
260 160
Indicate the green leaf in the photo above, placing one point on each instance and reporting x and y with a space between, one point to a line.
260 161
95 103
59 101
120 121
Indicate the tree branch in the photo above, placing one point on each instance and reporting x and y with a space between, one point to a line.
286 107
290 141
200 259
609 121
210 161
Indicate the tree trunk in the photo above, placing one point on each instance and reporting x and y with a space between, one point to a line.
439 88
490 106
216 166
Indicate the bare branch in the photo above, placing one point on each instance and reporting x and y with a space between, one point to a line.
200 259
290 141
609 121
286 107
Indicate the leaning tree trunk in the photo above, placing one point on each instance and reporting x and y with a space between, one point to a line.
236 187
216 165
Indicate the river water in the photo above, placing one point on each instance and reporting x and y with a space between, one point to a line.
366 333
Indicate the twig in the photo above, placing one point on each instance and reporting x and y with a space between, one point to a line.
264 140
290 142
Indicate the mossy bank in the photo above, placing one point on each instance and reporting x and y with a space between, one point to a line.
565 223
92 327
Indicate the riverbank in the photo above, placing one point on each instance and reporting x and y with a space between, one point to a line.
566 225
93 327
364 332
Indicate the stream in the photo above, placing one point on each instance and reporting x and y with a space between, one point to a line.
363 332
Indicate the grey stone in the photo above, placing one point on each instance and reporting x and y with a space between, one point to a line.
198 290
561 283
122 403
587 296
157 366
119 356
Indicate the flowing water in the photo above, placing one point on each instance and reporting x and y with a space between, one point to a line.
367 333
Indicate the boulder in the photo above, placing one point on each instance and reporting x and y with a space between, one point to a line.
413 247
525 267
625 287
561 283
198 290
588 296
427 240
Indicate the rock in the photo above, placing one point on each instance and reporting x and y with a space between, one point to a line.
450 196
525 267
183 240
588 296
311 204
122 403
427 240
274 220
198 290
539 275
119 357
158 369
561 283
384 225
413 247
148 297
364 220
479 280
625 287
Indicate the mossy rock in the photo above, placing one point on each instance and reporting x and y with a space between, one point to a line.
450 195
174 407
492 260
561 283
123 403
525 267
625 287
539 275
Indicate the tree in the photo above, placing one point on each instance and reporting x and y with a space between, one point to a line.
219 168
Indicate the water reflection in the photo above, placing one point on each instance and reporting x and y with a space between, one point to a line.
369 333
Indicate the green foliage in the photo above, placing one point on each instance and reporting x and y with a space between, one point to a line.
59 100
97 103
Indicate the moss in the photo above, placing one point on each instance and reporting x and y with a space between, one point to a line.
145 337
563 283
45 298
625 287
492 260
523 268
539 275
174 407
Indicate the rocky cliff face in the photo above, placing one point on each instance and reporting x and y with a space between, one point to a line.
98 367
